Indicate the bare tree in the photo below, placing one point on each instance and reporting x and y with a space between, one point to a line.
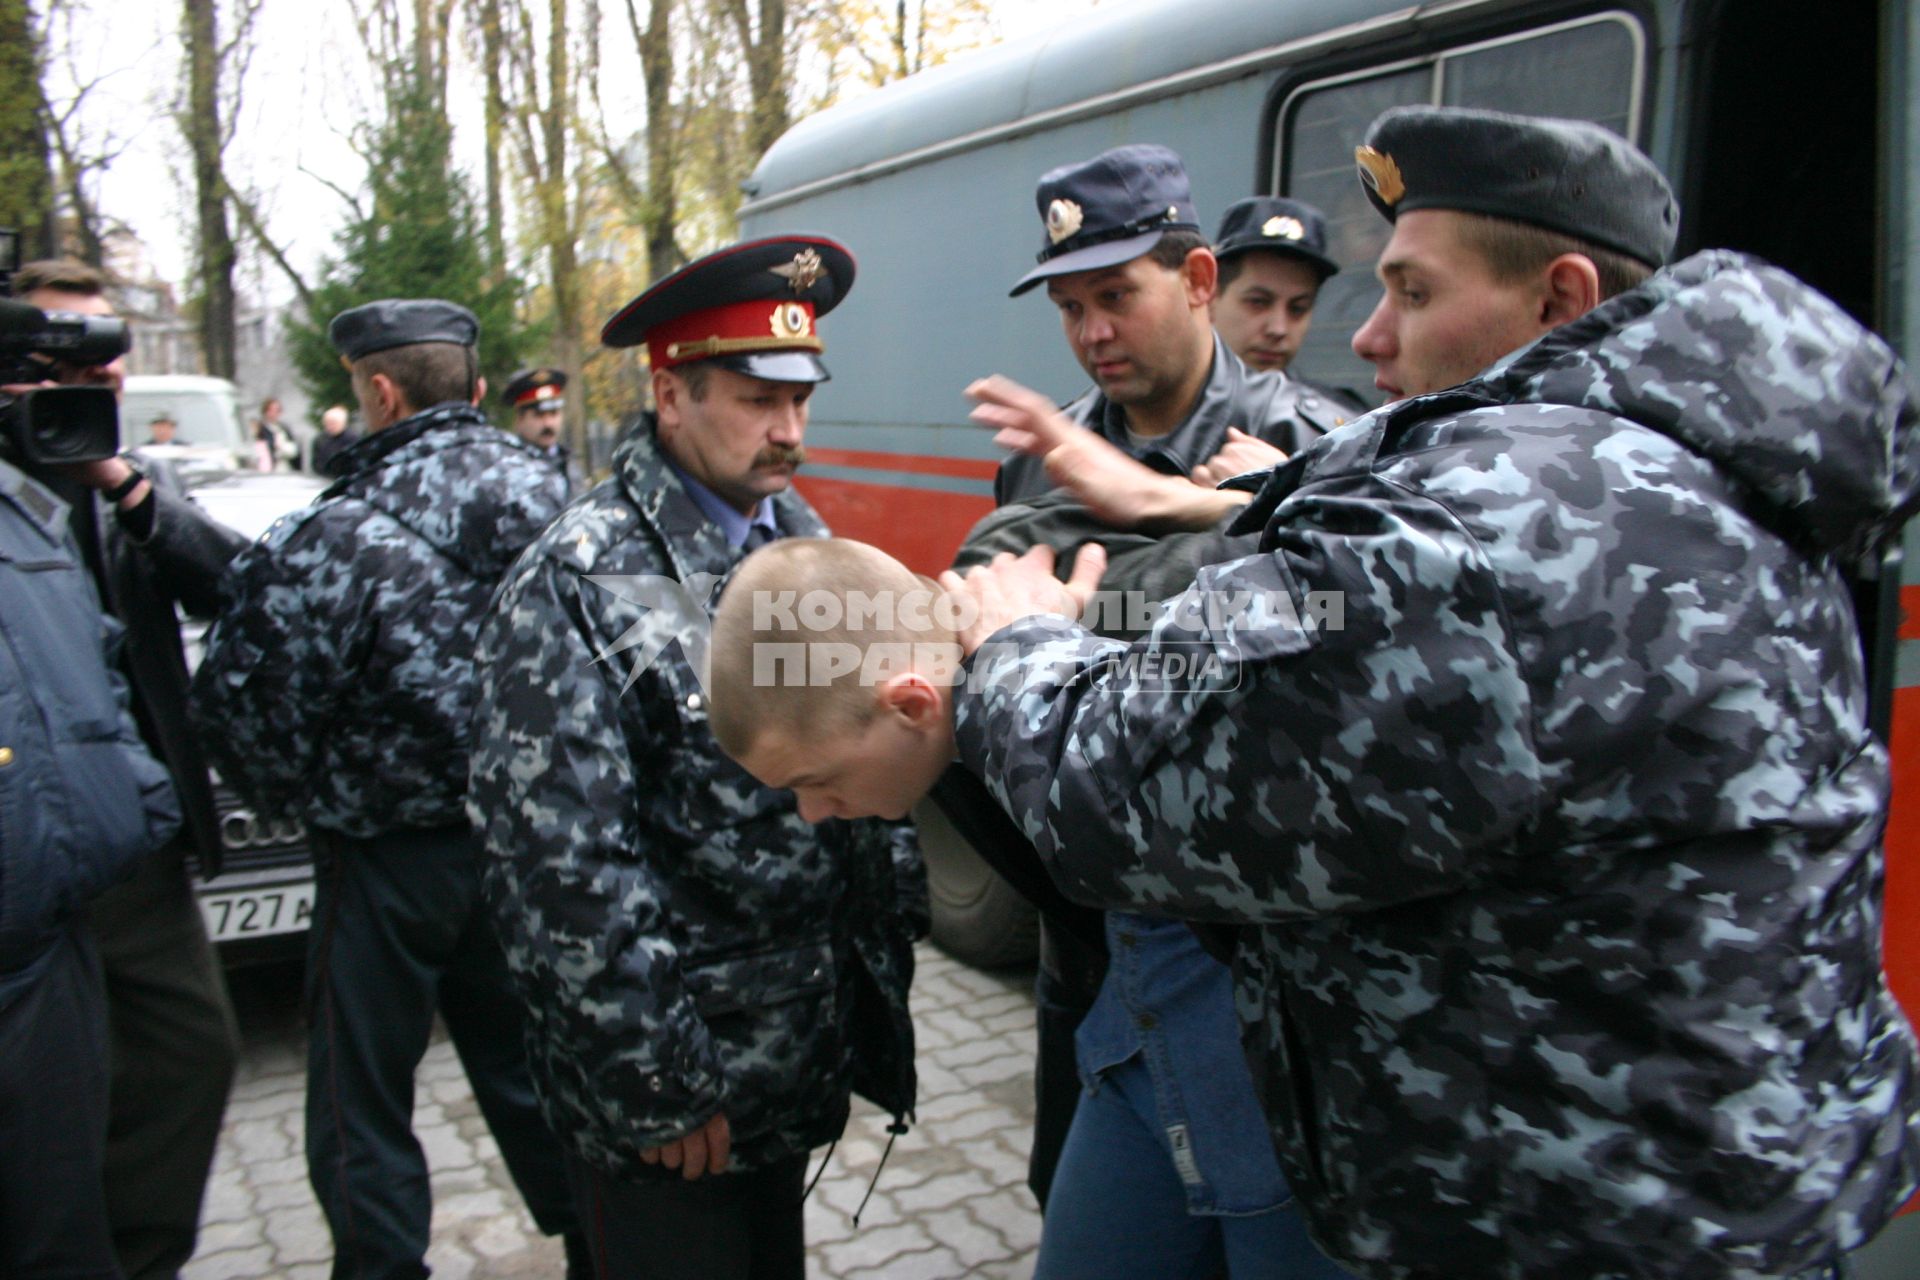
540 100
216 69
887 40
761 28
484 20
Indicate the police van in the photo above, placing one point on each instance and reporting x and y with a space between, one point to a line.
1788 131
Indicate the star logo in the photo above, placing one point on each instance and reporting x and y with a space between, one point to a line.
672 612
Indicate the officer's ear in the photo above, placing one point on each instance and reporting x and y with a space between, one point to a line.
479 390
1201 275
1569 289
388 399
668 391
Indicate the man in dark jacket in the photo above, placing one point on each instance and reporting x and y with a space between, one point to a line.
171 1026
710 977
1556 866
338 686
82 804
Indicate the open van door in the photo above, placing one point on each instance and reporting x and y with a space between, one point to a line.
1802 150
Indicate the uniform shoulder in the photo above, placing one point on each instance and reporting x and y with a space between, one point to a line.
592 534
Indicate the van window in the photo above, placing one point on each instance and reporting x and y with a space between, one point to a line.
1588 69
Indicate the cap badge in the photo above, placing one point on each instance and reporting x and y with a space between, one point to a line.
1063 219
1283 228
790 320
1381 175
802 271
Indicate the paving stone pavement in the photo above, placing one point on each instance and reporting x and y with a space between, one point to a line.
952 1201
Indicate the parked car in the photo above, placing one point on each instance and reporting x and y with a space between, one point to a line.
211 438
263 895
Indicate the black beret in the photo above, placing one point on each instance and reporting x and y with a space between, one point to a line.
1282 226
748 307
1565 175
401 322
1108 210
537 388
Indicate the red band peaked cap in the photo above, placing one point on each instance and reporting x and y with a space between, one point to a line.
756 297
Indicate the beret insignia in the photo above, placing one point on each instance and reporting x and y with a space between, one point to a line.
1283 228
1380 174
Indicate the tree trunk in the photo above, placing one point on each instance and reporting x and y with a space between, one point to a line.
201 127
491 71
663 135
766 54
562 257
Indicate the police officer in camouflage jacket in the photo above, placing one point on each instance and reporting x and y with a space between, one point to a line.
709 975
1554 870
338 687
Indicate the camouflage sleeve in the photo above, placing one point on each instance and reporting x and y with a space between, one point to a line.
571 868
265 688
909 878
1338 725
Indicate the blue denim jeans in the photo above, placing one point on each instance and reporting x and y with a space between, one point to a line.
1118 1209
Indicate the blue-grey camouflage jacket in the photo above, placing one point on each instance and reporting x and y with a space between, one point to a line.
1557 861
686 943
338 684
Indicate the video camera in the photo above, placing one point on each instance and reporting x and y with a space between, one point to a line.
54 425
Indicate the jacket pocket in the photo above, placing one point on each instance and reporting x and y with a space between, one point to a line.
760 980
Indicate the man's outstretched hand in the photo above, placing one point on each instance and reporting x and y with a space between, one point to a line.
1006 589
1118 490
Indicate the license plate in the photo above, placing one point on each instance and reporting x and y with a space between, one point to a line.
258 913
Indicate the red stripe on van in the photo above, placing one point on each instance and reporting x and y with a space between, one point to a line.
1910 613
912 463
1902 929
921 528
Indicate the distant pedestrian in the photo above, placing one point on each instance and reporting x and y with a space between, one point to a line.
335 437
274 445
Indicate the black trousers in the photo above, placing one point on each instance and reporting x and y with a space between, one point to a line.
53 1120
173 1045
730 1226
399 931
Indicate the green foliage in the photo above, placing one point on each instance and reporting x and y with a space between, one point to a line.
26 183
417 236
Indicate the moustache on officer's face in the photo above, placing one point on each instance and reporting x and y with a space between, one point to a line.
781 455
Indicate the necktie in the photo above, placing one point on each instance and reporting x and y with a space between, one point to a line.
758 535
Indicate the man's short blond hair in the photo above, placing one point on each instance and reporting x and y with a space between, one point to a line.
832 596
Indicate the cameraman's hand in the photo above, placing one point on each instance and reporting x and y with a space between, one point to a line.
103 475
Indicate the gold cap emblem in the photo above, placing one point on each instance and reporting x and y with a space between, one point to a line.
790 320
1381 175
1063 219
1283 228
802 271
